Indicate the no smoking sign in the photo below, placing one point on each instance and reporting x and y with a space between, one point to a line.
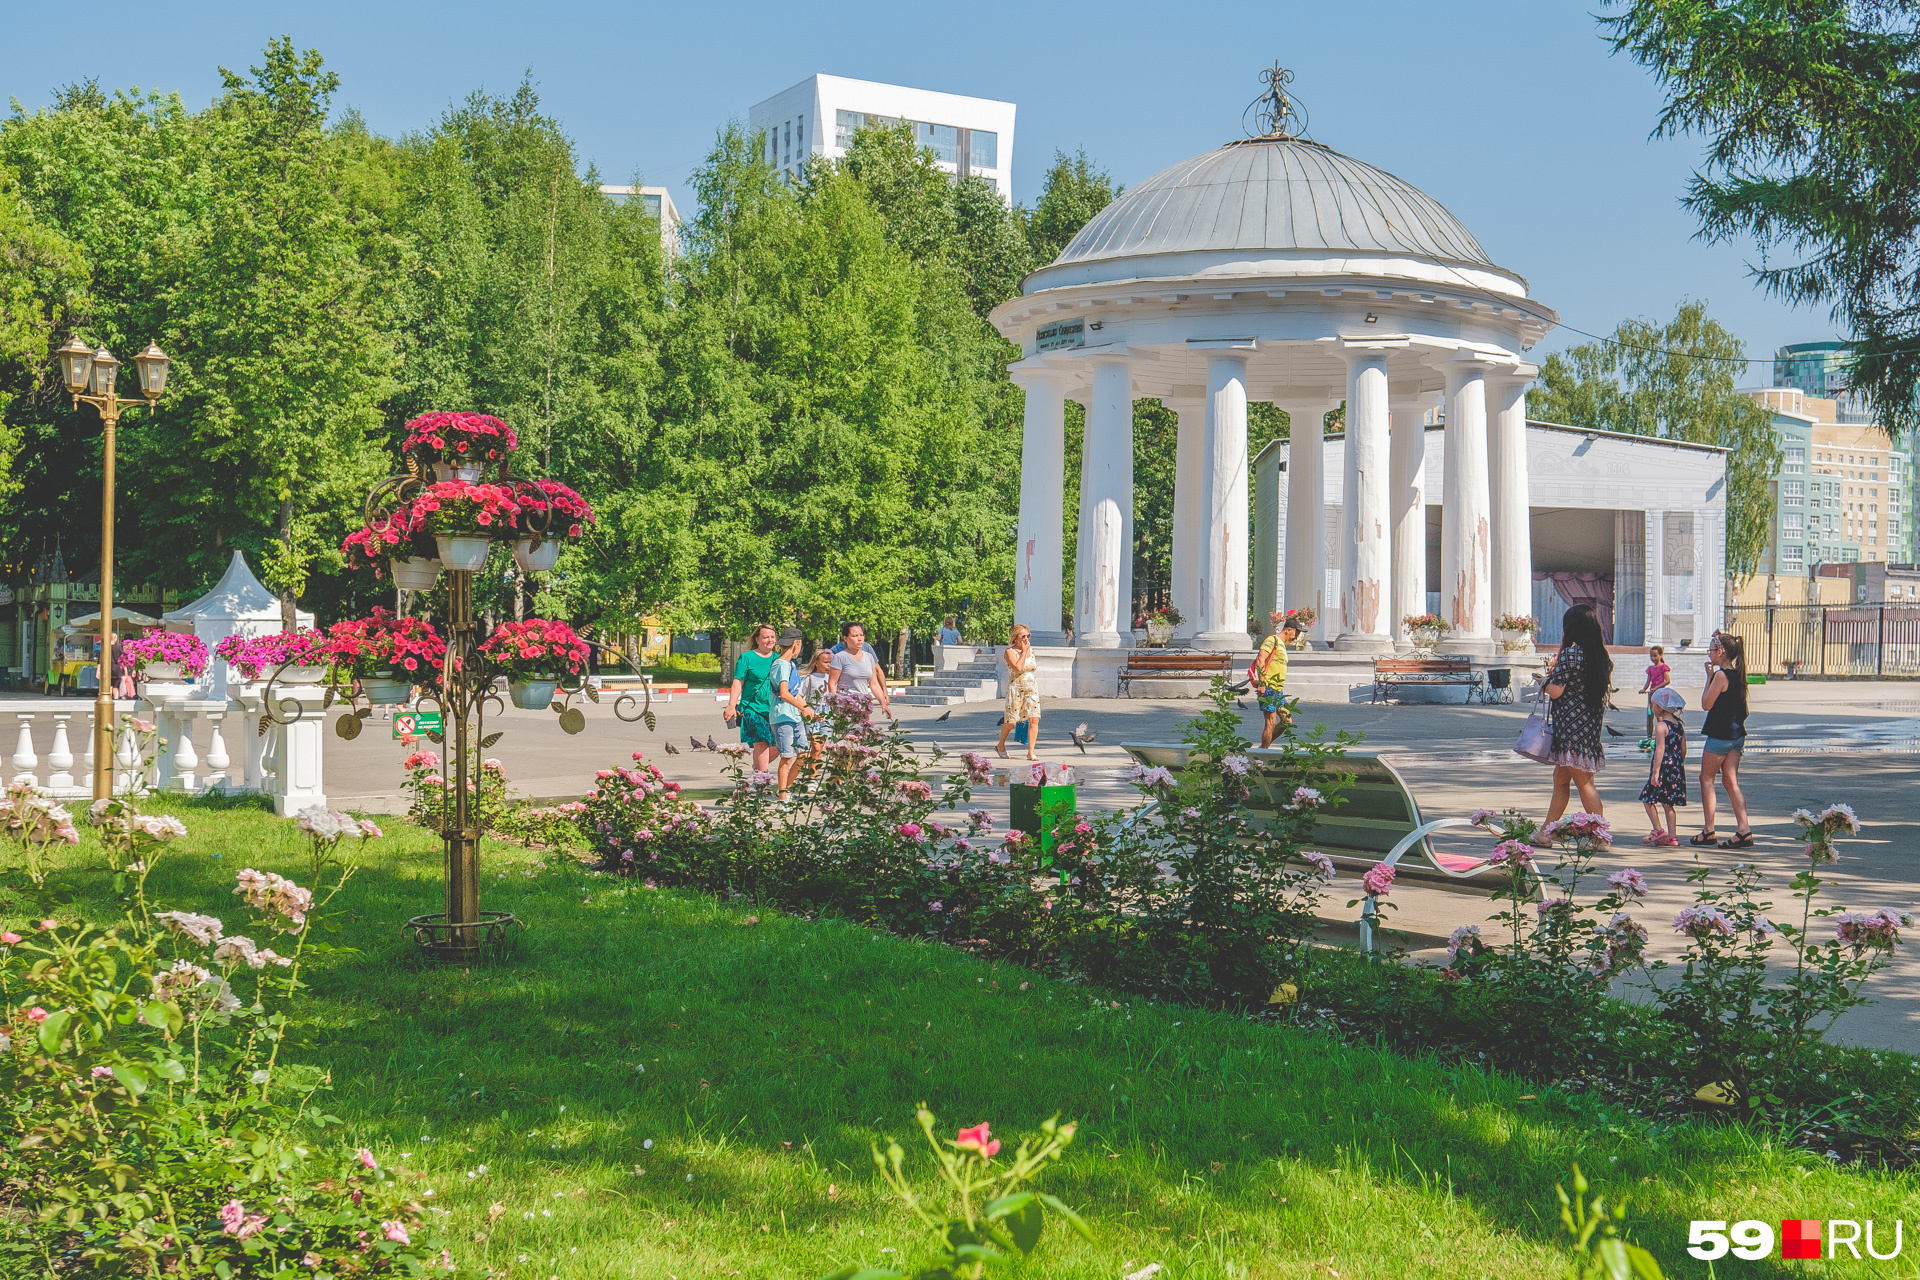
416 722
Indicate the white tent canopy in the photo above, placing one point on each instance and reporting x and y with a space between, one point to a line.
238 604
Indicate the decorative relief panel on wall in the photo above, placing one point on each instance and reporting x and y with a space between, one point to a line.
1677 543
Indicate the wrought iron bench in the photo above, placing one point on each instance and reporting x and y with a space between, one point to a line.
1388 673
1184 664
1376 822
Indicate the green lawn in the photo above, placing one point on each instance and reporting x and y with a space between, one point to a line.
760 1059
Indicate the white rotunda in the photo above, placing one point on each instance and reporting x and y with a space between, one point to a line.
1275 268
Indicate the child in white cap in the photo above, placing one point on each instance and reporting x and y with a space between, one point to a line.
1667 777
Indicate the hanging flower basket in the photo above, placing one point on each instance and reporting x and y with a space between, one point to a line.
459 440
385 647
384 692
464 552
534 655
536 556
416 575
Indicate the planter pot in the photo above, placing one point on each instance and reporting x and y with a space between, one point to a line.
1158 633
301 675
172 672
467 471
384 692
536 559
463 551
414 575
532 695
1515 641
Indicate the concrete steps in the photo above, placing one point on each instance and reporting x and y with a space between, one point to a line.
975 681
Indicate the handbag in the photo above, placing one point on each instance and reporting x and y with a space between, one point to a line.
1536 736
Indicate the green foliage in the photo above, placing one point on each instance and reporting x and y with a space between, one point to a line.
1072 192
1599 1251
1809 117
1675 382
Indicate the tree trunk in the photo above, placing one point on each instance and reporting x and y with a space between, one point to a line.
289 618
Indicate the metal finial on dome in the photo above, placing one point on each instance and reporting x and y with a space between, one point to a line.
1276 113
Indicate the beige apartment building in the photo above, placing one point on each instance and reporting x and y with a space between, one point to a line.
1838 497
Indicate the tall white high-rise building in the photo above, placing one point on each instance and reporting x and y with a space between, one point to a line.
819 116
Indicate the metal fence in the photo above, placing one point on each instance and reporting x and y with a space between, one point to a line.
1831 640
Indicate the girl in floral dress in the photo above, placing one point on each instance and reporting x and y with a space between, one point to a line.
1667 775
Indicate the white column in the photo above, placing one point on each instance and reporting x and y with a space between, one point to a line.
1307 512
1466 595
1509 494
1366 571
1407 504
1223 552
1106 522
1188 503
1037 568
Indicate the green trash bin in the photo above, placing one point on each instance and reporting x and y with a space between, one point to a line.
1041 812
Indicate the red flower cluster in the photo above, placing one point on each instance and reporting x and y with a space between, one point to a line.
537 496
460 437
363 647
454 506
536 647
372 546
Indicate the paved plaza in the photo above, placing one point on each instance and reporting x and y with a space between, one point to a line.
1814 743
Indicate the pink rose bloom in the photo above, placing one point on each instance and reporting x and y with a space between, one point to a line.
397 1232
49 924
366 1158
98 1072
1378 880
978 1139
36 1014
9 938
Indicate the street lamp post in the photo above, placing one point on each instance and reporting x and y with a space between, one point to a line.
90 377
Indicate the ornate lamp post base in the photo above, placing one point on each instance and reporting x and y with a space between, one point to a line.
452 943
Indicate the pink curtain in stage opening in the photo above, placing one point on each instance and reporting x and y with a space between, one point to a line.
1595 589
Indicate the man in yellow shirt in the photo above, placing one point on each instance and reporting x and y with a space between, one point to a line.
1270 678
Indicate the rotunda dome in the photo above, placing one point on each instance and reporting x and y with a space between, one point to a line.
1273 206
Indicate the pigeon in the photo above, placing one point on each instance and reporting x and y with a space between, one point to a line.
711 744
1239 704
672 750
695 741
944 714
1082 735
1610 729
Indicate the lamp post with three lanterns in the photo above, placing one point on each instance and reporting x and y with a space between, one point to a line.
89 376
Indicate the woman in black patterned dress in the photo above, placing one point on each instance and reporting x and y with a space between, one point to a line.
1578 684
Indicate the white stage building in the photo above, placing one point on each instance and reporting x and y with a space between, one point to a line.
1274 268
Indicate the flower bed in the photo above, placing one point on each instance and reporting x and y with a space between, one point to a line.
167 648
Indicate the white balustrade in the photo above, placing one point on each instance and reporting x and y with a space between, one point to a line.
60 756
24 760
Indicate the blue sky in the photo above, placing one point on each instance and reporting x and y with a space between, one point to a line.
1513 114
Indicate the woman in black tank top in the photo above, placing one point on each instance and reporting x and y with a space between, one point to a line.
1725 730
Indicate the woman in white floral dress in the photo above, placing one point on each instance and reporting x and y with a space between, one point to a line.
1023 690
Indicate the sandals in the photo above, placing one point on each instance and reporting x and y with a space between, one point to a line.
1705 840
1653 837
1740 841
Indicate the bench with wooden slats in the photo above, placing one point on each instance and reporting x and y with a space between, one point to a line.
1183 664
1375 821
1391 673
